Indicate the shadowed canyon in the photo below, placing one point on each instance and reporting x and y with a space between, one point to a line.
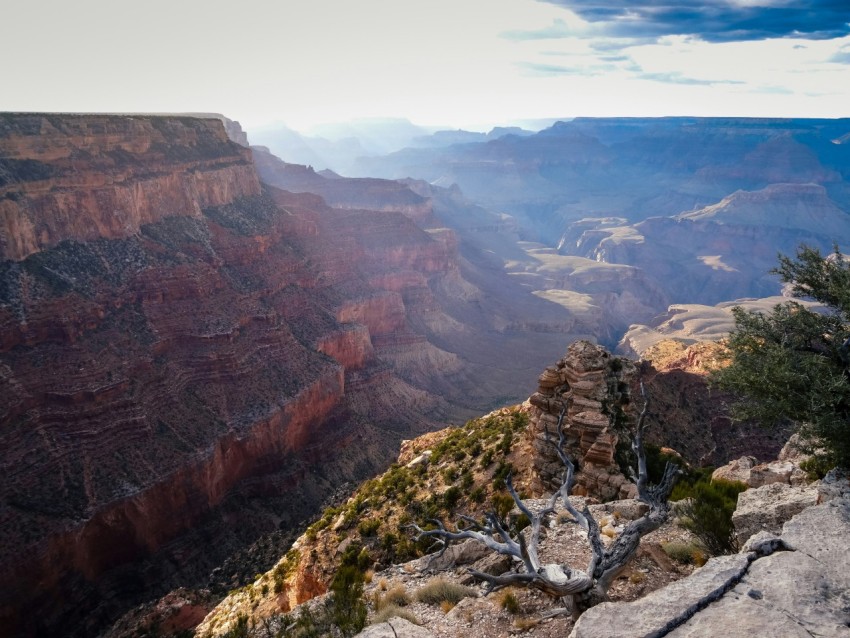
200 342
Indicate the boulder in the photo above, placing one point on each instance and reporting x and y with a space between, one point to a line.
748 470
627 509
422 459
737 470
768 507
836 484
463 553
775 472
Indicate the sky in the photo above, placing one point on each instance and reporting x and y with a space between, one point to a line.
451 63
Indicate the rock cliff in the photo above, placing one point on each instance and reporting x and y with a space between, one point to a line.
104 177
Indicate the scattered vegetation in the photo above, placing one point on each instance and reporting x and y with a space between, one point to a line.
476 453
707 510
685 553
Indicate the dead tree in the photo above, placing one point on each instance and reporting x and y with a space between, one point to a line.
579 589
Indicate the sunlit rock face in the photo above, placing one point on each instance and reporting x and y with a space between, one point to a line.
104 177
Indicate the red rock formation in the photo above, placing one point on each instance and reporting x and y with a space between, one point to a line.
89 177
683 413
213 348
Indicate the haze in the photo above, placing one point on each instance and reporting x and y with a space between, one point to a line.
471 64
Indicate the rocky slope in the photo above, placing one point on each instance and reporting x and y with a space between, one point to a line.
462 470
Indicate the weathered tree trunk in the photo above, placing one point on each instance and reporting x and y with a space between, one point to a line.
579 589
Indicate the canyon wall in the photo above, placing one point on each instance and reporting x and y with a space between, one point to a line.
89 177
189 359
700 206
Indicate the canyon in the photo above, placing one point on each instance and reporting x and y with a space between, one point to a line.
201 343
191 359
699 206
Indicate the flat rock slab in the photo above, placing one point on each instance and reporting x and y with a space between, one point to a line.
395 628
803 592
655 614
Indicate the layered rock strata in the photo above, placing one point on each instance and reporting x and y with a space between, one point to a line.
592 390
103 177
601 397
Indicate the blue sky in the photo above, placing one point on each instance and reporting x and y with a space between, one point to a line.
453 63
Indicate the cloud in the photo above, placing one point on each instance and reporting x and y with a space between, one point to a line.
536 68
674 77
558 29
841 57
714 20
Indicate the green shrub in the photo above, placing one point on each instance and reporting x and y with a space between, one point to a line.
345 605
451 497
708 514
466 480
439 590
369 527
816 467
486 459
449 474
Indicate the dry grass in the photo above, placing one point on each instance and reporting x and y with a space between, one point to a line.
524 624
393 611
395 597
507 600
439 590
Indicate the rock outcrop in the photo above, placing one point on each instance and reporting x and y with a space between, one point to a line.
768 507
602 397
591 387
794 585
